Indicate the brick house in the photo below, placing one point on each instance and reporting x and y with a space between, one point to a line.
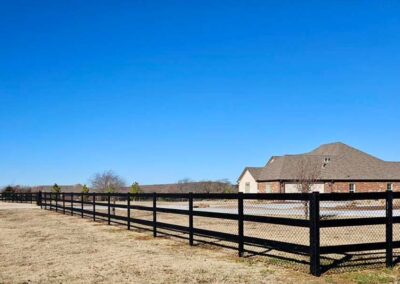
335 167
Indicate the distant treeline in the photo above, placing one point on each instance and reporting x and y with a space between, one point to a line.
183 186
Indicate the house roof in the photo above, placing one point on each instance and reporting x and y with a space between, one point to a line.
335 161
254 171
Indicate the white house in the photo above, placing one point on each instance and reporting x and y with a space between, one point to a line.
334 167
248 180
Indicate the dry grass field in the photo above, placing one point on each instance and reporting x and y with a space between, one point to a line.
38 246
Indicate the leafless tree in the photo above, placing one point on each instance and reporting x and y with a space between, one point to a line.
205 186
183 185
308 170
223 186
107 181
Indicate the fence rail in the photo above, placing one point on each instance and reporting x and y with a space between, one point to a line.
321 212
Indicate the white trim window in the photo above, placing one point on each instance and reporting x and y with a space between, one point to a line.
247 187
352 187
389 186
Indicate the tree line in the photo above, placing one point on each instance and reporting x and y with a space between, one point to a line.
110 182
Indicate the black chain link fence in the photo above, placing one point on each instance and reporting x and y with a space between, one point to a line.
324 232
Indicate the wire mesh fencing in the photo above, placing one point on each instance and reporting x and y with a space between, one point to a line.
356 230
281 223
320 232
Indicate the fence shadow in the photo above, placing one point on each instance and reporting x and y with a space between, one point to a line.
353 261
320 259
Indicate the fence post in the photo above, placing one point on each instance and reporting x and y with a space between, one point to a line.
129 211
72 204
389 228
94 206
81 204
39 199
154 214
240 225
190 218
63 201
109 209
315 268
57 201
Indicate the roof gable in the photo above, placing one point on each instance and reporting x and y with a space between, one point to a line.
335 161
254 171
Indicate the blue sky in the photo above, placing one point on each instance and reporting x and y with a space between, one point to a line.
163 90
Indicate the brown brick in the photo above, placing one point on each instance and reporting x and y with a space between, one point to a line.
363 186
275 187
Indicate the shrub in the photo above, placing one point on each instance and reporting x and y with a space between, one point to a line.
56 189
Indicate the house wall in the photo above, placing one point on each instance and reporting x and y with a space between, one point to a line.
269 187
328 187
295 188
343 187
248 178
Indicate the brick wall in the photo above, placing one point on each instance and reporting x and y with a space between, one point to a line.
360 186
274 186
343 187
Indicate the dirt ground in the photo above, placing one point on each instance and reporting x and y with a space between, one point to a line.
38 246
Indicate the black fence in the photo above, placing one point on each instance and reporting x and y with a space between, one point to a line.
20 197
327 230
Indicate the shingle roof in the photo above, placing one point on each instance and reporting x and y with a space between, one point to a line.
344 163
254 171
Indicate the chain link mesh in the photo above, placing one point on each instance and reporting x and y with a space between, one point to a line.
275 221
352 235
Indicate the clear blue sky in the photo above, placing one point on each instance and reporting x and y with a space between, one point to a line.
162 90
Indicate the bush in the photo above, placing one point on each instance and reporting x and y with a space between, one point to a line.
56 189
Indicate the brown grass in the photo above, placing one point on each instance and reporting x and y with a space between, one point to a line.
38 246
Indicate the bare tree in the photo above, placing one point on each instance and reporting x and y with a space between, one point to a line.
224 186
308 170
183 185
205 186
11 189
107 181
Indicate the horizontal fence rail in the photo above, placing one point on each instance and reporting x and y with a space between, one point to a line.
319 215
20 197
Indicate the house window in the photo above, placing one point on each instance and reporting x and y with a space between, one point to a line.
389 186
247 187
352 188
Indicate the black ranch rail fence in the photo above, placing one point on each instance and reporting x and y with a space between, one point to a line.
325 229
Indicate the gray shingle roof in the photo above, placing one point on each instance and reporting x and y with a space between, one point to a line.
254 171
345 163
